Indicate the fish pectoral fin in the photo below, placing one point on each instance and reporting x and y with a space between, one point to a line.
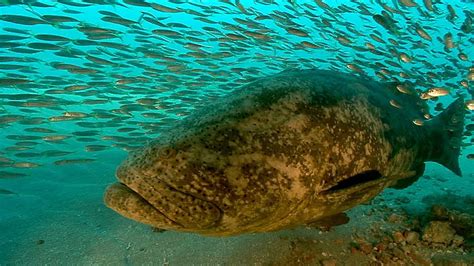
406 182
326 223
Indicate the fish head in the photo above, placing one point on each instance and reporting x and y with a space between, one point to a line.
196 184
145 194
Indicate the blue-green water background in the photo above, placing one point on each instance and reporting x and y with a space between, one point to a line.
50 191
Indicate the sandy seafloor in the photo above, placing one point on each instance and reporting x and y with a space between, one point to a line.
58 217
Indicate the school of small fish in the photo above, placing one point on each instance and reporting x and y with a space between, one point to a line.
105 74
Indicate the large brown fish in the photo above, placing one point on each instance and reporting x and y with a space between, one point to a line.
286 150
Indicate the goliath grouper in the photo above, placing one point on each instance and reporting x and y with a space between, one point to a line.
282 151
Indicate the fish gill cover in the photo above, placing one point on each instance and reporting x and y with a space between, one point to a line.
82 81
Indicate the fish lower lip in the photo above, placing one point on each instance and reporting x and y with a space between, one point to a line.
130 204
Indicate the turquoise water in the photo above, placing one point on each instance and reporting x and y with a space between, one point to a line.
84 82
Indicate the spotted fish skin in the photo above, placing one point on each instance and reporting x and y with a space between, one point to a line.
282 151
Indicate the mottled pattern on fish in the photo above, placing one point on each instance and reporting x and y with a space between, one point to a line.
276 153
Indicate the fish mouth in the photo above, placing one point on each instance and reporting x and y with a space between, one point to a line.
130 204
150 200
356 183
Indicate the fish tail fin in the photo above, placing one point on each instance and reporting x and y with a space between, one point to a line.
448 128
